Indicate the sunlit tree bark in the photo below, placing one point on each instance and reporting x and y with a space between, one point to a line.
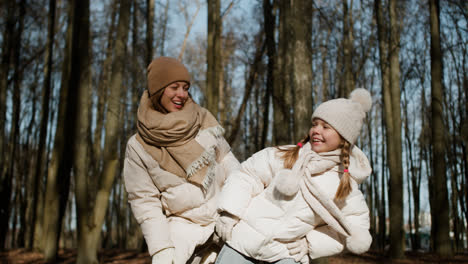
302 70
213 56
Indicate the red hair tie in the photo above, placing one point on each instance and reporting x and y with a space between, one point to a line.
345 170
299 144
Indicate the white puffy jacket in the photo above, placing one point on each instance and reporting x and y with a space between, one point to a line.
172 212
268 220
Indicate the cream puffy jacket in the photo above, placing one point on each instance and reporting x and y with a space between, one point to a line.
268 220
172 212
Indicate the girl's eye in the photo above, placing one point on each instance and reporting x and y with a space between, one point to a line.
186 88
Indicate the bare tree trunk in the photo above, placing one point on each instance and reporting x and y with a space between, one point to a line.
391 94
440 215
269 27
137 87
7 47
397 236
82 123
325 69
282 93
58 178
383 201
348 85
102 92
213 56
26 175
14 138
46 89
301 72
132 236
5 180
91 221
8 169
149 30
412 182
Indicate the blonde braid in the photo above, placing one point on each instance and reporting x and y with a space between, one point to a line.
345 183
289 155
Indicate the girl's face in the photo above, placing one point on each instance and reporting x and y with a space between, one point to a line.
323 137
174 96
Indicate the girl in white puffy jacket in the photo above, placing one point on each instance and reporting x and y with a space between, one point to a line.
289 203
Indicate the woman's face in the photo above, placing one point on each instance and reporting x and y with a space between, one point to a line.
323 137
174 96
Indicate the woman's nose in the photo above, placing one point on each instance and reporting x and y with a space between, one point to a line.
181 92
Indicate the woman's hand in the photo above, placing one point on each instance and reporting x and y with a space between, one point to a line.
225 224
298 250
165 256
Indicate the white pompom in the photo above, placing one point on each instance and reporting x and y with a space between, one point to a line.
286 183
363 97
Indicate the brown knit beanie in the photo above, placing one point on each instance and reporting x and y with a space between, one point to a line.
163 71
346 115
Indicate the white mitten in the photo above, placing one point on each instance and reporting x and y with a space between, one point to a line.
165 256
359 241
225 224
298 250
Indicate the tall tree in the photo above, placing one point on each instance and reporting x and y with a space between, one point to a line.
161 41
91 219
102 91
213 56
347 85
440 210
269 25
282 92
149 30
302 66
7 46
5 187
8 170
58 175
40 162
389 42
82 140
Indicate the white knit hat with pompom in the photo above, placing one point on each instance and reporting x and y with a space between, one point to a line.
346 115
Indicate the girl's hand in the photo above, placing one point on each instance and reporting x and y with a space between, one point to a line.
165 256
225 224
298 250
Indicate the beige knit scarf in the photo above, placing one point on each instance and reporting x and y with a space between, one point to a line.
170 140
309 164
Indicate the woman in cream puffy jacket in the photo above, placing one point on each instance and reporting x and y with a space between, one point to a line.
306 195
175 167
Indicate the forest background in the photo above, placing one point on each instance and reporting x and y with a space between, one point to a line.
72 73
